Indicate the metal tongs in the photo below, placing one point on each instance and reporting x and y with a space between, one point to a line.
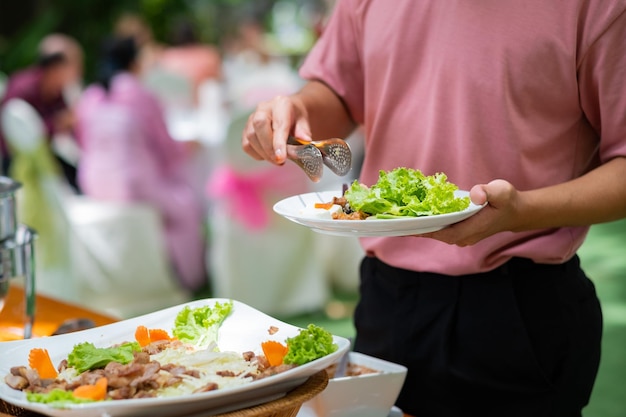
311 156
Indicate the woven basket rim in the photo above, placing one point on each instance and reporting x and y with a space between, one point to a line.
293 400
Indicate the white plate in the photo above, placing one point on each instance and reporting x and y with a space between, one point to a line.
291 208
243 330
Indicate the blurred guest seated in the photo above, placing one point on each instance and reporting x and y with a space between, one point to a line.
127 155
44 86
131 25
251 73
189 57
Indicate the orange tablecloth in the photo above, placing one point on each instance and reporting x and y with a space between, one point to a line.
49 314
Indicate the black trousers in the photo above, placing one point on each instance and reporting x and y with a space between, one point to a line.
521 340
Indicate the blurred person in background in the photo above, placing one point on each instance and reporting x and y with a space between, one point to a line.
251 71
189 57
45 86
131 25
128 155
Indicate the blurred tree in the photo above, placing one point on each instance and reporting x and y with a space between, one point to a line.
24 22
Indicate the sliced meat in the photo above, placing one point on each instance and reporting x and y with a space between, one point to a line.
211 386
17 382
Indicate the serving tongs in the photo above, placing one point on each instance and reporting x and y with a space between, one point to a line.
311 156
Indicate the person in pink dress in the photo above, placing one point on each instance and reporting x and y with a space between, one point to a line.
524 105
128 155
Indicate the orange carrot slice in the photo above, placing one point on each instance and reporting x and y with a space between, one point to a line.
39 360
158 334
326 206
96 392
142 335
274 352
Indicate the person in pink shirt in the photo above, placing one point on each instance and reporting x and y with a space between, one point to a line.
524 104
128 155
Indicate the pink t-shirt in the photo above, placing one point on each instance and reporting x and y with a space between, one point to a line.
533 92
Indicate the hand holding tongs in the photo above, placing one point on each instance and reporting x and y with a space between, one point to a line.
312 155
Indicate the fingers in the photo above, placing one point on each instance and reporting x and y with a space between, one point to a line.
266 132
282 123
497 216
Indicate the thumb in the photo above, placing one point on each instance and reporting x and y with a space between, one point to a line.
478 194
495 192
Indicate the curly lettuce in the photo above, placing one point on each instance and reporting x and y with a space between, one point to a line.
406 192
311 343
85 356
199 326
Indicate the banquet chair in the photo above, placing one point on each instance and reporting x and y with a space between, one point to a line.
39 202
268 264
89 252
118 255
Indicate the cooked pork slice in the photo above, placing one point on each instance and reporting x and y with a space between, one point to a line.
122 393
211 386
16 381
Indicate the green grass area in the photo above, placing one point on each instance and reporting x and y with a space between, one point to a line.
603 257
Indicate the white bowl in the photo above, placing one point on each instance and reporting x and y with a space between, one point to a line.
368 395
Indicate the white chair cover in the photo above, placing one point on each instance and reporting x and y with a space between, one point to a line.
273 269
22 126
119 257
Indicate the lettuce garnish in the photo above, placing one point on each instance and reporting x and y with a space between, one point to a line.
311 343
56 398
86 356
406 192
199 326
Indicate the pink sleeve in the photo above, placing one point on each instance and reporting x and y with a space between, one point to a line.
602 85
336 58
86 106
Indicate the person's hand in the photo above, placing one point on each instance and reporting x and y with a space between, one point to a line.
266 132
500 214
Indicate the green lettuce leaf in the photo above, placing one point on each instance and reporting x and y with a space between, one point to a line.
311 343
406 192
57 398
199 326
86 356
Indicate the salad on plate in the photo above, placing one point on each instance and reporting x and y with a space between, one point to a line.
399 193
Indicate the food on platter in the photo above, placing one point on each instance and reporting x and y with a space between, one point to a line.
352 369
156 363
399 193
